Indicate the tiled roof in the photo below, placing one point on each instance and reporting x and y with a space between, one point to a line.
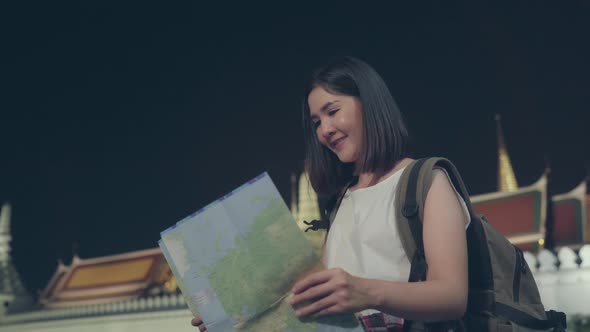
107 279
519 215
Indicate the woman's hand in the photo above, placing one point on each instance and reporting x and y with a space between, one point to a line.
330 292
198 322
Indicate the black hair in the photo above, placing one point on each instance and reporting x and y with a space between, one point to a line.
385 135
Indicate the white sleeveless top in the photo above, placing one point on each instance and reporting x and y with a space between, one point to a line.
363 239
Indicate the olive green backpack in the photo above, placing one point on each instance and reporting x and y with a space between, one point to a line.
503 295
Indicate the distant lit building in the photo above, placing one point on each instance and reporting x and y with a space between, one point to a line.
134 291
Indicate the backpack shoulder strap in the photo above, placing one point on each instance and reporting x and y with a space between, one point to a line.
410 199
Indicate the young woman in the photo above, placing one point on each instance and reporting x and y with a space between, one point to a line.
355 132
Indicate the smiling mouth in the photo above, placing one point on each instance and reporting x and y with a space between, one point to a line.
337 143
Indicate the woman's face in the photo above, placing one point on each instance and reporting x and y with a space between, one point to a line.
338 123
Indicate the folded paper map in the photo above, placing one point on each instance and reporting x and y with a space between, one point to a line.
236 260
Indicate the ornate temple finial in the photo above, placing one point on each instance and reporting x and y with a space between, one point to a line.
308 210
308 200
547 170
5 219
13 295
75 250
506 179
5 236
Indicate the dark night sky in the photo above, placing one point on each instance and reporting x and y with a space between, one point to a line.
119 120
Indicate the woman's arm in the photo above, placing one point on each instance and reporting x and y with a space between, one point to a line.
443 296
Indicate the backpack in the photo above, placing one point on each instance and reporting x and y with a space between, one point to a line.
503 295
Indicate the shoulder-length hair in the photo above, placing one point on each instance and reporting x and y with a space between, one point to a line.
384 133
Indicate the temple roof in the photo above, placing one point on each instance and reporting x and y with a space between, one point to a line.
110 278
570 217
519 215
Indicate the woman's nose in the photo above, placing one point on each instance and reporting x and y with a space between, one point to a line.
326 129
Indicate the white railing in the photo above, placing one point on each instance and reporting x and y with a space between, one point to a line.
163 302
563 279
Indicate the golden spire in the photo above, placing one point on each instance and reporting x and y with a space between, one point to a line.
506 179
308 210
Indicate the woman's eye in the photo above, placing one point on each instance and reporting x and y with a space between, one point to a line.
332 112
316 124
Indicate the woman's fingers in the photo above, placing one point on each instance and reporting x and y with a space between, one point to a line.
315 308
198 322
313 279
321 293
310 294
329 310
329 292
310 280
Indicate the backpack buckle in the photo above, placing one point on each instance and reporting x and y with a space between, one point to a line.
315 225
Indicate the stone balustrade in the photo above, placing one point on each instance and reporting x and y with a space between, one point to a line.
563 279
155 303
